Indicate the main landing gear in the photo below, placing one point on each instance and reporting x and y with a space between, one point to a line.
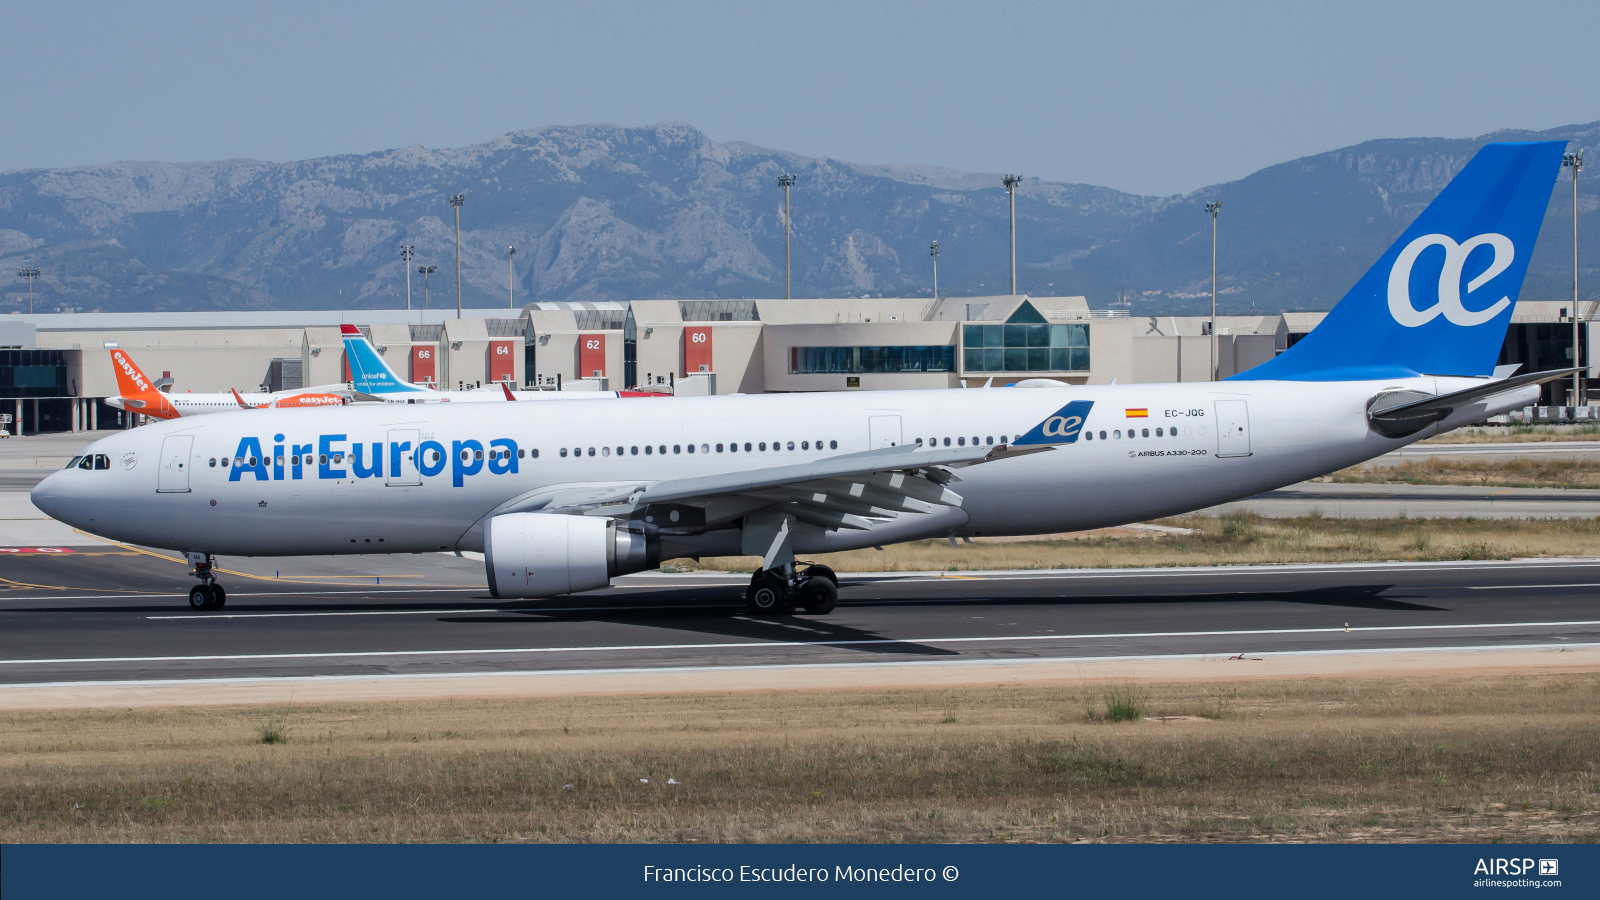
778 591
207 595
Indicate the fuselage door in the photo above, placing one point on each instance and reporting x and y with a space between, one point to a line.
401 464
883 431
1233 428
172 477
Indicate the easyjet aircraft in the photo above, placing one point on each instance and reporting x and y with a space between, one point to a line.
562 497
140 395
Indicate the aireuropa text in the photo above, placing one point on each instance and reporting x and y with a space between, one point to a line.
792 873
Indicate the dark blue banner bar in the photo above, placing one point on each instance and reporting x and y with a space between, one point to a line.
309 872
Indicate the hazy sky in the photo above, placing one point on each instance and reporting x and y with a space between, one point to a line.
1155 98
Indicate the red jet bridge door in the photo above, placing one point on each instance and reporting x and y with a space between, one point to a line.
697 351
591 356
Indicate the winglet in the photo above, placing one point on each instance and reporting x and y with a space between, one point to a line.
506 386
240 400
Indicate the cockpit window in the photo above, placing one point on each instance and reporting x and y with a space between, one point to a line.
102 461
73 463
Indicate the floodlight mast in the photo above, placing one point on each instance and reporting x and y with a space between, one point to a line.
455 201
1575 161
408 252
1213 208
511 277
426 271
786 182
933 251
30 273
1011 182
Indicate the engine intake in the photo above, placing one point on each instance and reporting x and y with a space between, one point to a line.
539 554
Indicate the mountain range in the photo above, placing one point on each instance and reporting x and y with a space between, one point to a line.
606 212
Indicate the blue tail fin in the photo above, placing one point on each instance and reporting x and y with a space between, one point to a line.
1438 302
368 372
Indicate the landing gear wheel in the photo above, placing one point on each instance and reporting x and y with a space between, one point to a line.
219 596
819 595
766 595
823 571
202 597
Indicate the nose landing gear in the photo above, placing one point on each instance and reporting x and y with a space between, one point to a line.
779 590
207 595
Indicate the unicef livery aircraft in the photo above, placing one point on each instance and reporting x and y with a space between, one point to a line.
563 497
370 375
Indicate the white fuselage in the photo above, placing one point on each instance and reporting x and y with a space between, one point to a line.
164 491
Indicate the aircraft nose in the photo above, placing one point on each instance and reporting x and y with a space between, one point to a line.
57 498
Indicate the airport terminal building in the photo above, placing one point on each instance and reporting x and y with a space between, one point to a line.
55 371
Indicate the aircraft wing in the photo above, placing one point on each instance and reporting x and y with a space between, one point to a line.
835 492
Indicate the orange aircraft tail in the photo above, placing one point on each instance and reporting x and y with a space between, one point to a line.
138 393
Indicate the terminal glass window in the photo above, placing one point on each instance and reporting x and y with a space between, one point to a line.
871 360
1025 347
33 373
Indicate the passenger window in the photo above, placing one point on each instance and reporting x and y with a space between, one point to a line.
591 451
252 460
563 453
705 448
1102 435
1118 434
1144 432
791 445
477 454
988 440
833 445
536 453
806 445
213 462
919 442
648 449
1088 435
676 448
719 448
691 448
763 446
947 442
961 441
1158 432
521 453
747 446
605 451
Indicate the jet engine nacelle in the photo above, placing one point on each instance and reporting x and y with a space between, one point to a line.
540 554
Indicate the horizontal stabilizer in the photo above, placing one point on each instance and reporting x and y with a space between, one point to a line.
1401 413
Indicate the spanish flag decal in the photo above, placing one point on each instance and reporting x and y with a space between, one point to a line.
1138 413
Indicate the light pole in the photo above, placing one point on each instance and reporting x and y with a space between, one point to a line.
1010 181
786 182
29 273
456 200
1213 207
1575 160
933 251
426 271
408 252
511 277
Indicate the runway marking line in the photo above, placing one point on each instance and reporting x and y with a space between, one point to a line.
744 645
672 670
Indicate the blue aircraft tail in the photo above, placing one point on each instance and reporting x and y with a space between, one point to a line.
1438 302
369 374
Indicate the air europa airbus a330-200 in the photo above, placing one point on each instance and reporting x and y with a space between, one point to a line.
561 497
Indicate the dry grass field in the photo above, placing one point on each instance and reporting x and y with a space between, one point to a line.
1517 434
1533 473
1504 758
1233 539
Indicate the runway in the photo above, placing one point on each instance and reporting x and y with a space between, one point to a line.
120 617
1428 501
